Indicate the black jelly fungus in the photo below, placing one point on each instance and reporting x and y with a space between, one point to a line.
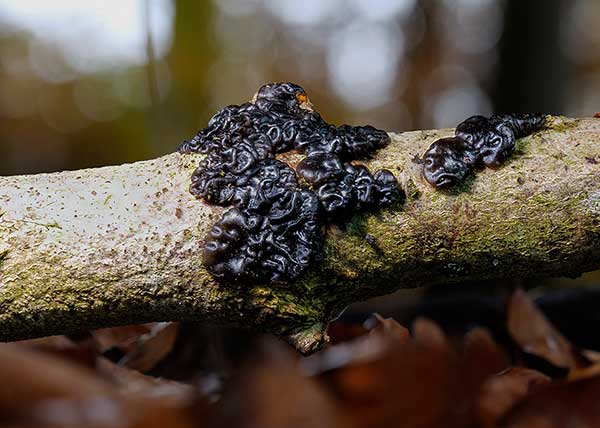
275 225
478 142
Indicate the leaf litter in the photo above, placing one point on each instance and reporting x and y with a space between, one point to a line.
374 374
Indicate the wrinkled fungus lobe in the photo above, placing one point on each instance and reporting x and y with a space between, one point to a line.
275 226
478 142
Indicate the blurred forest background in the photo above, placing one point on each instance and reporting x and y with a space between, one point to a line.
109 81
86 83
91 83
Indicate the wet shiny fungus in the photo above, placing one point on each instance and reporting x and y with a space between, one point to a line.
275 225
478 142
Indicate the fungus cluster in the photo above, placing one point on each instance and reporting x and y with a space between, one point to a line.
275 226
478 142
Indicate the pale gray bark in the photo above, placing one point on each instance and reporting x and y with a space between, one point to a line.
123 244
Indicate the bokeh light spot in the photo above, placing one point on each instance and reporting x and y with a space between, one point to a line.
362 61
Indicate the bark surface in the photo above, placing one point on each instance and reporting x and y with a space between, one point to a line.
123 244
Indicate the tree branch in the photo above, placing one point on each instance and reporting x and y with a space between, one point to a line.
119 245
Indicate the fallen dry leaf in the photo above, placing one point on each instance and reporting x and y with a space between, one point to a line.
502 391
150 348
481 357
140 347
271 392
123 338
108 412
536 335
423 381
29 376
388 328
136 384
66 349
572 404
43 391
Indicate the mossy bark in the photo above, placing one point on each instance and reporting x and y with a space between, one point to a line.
118 245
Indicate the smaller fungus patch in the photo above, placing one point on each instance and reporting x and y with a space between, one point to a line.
275 227
478 142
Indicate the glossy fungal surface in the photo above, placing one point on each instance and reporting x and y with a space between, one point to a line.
478 142
275 226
